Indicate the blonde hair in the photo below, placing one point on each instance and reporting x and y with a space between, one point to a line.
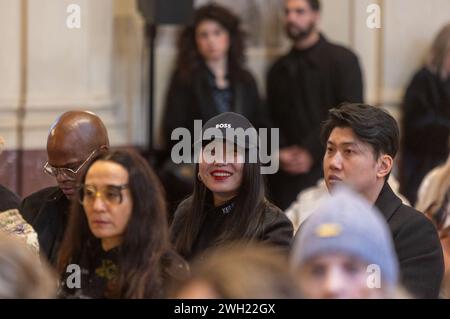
439 51
241 271
22 274
431 194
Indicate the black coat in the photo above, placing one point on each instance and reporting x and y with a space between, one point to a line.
47 211
301 87
192 99
277 229
8 199
417 245
426 129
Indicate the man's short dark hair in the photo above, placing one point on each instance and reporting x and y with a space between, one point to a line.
314 4
370 124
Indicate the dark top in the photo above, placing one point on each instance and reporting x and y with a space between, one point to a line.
97 280
277 228
417 245
47 211
199 99
301 87
426 129
8 199
222 96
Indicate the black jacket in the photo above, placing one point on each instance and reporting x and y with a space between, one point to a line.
301 87
8 200
277 228
417 245
426 129
304 84
47 211
189 100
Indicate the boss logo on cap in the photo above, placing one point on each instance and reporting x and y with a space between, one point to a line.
223 125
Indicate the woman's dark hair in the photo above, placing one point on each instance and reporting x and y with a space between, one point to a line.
245 222
370 124
189 59
145 240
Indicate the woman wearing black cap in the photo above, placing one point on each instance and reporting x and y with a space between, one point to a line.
228 202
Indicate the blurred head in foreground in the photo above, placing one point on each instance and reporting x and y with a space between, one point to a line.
22 274
345 250
237 272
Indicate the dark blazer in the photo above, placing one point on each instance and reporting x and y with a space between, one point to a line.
417 245
47 211
304 84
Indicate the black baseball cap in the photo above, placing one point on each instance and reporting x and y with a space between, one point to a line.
230 121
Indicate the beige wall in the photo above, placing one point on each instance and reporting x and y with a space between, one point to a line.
64 68
102 66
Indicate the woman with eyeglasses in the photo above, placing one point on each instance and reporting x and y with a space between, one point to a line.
118 236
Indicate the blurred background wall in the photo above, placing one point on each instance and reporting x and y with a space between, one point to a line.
47 68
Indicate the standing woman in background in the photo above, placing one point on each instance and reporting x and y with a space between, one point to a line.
426 117
209 79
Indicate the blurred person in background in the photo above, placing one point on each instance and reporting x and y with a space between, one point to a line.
302 85
434 201
426 117
8 199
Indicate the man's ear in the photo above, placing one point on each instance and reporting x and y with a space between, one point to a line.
385 163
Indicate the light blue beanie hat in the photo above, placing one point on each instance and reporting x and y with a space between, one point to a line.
346 223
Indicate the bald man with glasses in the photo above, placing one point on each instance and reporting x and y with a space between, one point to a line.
74 139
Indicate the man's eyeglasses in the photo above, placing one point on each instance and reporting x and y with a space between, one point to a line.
66 172
111 194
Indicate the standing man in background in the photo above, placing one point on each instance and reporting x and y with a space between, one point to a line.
313 77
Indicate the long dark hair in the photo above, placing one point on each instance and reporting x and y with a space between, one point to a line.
246 219
145 240
189 59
